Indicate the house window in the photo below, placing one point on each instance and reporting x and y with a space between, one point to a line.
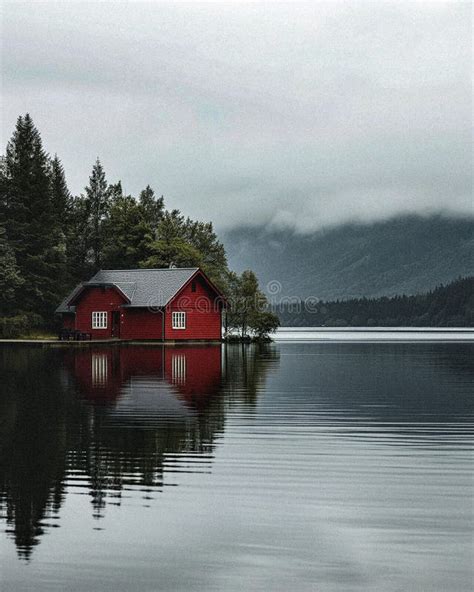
179 320
193 286
99 320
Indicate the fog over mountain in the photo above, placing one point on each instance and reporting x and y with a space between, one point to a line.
278 115
404 255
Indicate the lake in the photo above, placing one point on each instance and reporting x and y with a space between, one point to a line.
343 465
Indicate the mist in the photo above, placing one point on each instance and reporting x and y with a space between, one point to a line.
256 114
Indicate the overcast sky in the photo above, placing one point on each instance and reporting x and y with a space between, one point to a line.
302 115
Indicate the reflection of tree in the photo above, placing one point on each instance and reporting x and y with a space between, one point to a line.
117 458
115 419
33 451
246 367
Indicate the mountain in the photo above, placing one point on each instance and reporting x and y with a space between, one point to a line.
403 255
446 306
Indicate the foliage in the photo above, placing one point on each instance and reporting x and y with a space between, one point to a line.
128 234
56 240
264 323
445 306
60 197
152 208
10 278
97 203
18 325
188 243
249 312
28 211
171 247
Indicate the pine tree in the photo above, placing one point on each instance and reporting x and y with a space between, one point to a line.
172 246
60 196
152 208
29 217
213 258
128 235
62 205
78 260
10 278
97 202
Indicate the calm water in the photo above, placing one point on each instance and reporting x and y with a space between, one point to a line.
298 466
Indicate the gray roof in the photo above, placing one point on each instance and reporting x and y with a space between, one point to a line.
63 307
143 287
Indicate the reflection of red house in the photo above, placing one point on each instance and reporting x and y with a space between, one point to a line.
164 304
191 372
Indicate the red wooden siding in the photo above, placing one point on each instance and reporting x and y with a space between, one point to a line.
97 300
69 320
140 323
202 306
203 313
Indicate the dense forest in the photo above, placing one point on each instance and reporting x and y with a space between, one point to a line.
445 306
50 240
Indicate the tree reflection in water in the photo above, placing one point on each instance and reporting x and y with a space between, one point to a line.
105 420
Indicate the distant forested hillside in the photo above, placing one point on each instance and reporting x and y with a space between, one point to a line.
446 306
406 255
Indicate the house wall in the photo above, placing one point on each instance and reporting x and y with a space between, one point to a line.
69 320
140 323
203 313
97 300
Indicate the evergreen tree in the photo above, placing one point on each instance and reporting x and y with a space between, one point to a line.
445 306
10 278
171 246
128 236
152 207
213 258
78 254
187 243
60 196
62 206
97 201
29 217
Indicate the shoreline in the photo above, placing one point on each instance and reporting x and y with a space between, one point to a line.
94 342
375 334
291 334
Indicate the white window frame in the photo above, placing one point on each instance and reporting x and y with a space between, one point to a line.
99 319
178 320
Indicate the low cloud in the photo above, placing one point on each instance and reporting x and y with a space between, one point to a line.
302 116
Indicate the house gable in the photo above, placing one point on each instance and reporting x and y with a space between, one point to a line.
98 299
198 286
202 305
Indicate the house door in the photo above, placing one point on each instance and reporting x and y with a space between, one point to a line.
116 323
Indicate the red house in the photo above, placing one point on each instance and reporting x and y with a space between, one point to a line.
164 304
